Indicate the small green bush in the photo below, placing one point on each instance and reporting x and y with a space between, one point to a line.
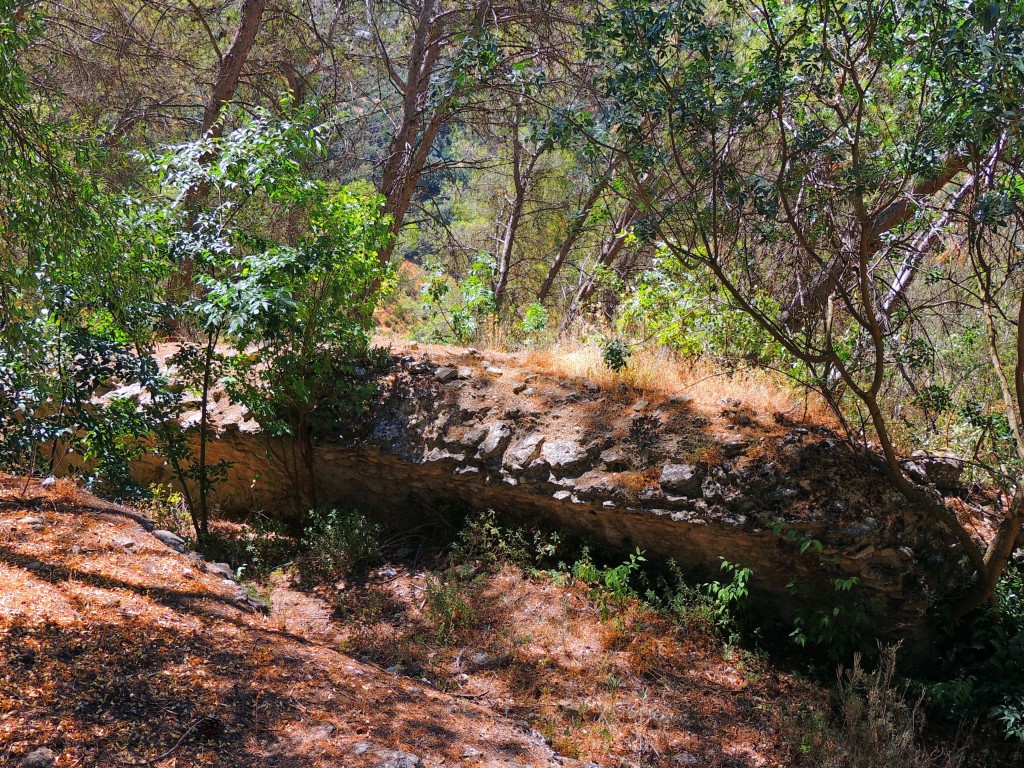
448 608
484 540
612 585
728 600
336 544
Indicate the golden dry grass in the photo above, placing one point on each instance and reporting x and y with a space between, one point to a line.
658 373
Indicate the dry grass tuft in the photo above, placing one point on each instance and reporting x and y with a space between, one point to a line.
658 373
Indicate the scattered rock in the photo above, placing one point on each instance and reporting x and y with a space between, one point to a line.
316 733
942 469
861 528
465 372
445 373
469 752
651 494
39 758
685 479
470 439
35 523
478 662
360 748
639 405
172 540
494 370
224 570
401 760
733 448
591 386
615 459
521 387
685 758
916 472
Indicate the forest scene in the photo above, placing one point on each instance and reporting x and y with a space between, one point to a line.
420 383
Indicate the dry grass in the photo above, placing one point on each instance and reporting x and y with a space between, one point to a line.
657 373
625 688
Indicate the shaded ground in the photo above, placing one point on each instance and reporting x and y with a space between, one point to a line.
113 645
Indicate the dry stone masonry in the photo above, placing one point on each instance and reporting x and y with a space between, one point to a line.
695 487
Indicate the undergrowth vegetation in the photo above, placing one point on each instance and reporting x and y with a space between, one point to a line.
877 717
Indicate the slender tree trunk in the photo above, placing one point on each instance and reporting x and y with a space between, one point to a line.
576 229
812 299
612 247
410 147
229 69
225 83
204 428
522 176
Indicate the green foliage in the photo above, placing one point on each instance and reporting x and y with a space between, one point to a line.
290 275
729 599
448 608
680 596
611 585
458 308
336 545
535 321
166 508
615 354
834 615
684 309
51 412
982 669
484 540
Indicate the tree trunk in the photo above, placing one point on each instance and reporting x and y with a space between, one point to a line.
576 229
229 69
612 247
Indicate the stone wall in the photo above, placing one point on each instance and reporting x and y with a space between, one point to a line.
676 480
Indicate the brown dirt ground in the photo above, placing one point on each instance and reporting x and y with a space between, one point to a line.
113 645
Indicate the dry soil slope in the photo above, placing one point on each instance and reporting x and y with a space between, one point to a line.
112 645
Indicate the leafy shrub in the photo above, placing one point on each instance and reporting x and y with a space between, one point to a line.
985 663
612 586
878 726
688 602
729 599
457 308
166 508
448 608
615 353
484 540
834 615
336 544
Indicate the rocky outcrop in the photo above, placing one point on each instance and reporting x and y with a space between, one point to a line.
693 484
